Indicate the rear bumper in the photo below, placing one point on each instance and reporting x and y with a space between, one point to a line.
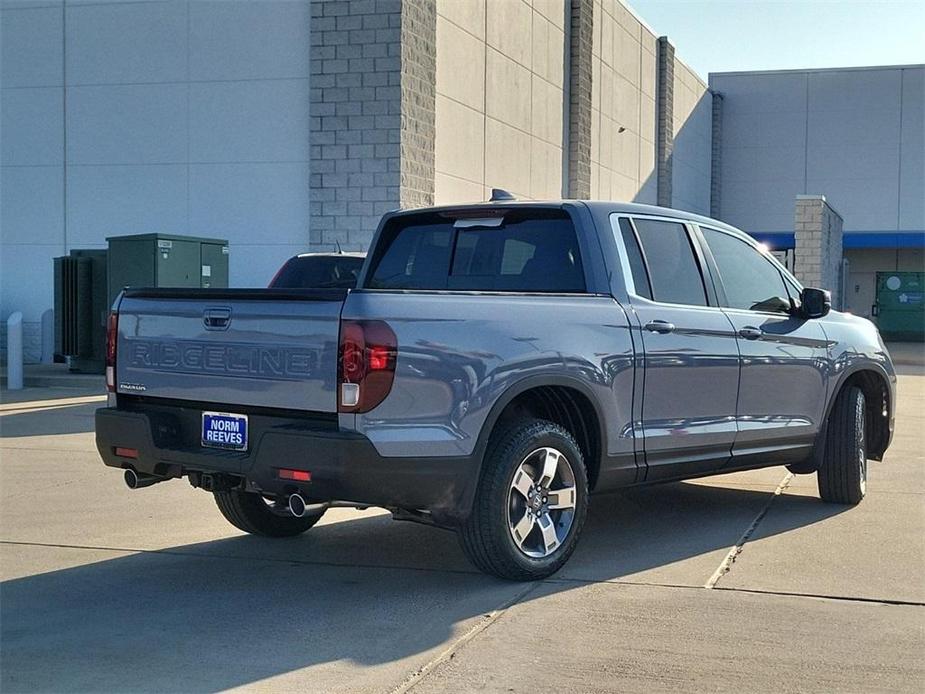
344 466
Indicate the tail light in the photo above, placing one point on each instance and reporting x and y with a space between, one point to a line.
112 336
365 365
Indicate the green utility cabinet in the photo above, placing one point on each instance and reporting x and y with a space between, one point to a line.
166 260
900 307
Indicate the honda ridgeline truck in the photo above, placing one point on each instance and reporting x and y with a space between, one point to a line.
496 364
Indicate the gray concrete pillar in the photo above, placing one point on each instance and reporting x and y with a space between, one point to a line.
580 38
818 245
664 108
716 155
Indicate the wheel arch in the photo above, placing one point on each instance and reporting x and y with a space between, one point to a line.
564 400
878 395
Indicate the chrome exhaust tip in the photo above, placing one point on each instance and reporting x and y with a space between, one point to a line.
135 480
297 505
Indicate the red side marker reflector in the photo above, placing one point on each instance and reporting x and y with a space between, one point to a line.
126 452
296 475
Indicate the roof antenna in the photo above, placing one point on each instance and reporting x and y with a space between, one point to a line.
340 251
499 194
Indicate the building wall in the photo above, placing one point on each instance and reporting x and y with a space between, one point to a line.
127 117
622 96
500 98
856 136
693 139
294 124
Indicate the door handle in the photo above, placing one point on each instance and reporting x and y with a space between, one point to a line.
659 326
750 332
216 318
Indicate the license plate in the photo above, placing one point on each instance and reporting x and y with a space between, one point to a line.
224 430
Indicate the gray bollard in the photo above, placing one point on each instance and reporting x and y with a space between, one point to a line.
48 336
14 351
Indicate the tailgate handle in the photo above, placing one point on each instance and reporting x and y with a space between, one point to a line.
216 318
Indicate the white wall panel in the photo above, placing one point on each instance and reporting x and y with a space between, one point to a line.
31 46
32 126
249 40
127 124
22 282
912 171
153 88
853 135
126 42
264 120
247 203
33 205
115 200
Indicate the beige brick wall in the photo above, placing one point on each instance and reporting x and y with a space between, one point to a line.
499 103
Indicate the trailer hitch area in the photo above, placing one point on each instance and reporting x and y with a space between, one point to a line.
214 482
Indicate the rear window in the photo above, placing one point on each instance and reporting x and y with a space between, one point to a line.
318 271
535 251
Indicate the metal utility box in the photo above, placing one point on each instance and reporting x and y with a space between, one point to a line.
81 307
166 260
900 307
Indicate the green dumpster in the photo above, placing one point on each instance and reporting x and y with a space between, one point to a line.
900 307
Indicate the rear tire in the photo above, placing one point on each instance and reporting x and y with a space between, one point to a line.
530 505
255 515
842 476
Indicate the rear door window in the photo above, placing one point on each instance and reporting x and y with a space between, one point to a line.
530 251
673 272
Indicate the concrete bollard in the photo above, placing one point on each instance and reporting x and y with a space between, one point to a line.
14 351
48 336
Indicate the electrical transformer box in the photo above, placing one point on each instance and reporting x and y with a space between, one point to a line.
166 260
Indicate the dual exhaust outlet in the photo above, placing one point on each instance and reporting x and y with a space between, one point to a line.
298 507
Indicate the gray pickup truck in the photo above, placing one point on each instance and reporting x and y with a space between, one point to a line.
495 365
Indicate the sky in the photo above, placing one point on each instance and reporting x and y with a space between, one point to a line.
729 35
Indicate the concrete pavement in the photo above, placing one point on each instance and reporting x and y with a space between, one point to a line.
106 589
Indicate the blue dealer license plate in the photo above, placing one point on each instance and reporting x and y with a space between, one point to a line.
224 430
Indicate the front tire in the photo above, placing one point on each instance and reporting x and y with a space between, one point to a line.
530 504
255 515
842 476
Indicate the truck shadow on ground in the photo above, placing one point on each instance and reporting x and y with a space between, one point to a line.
235 611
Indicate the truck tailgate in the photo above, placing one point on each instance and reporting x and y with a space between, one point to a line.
246 347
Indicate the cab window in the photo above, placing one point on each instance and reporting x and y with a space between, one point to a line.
750 279
673 273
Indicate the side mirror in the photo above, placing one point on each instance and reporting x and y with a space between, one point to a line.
815 303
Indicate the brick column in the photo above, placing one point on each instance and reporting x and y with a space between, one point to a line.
818 247
664 107
716 155
418 102
580 38
373 82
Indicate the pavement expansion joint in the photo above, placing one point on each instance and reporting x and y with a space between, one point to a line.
734 551
415 677
826 596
